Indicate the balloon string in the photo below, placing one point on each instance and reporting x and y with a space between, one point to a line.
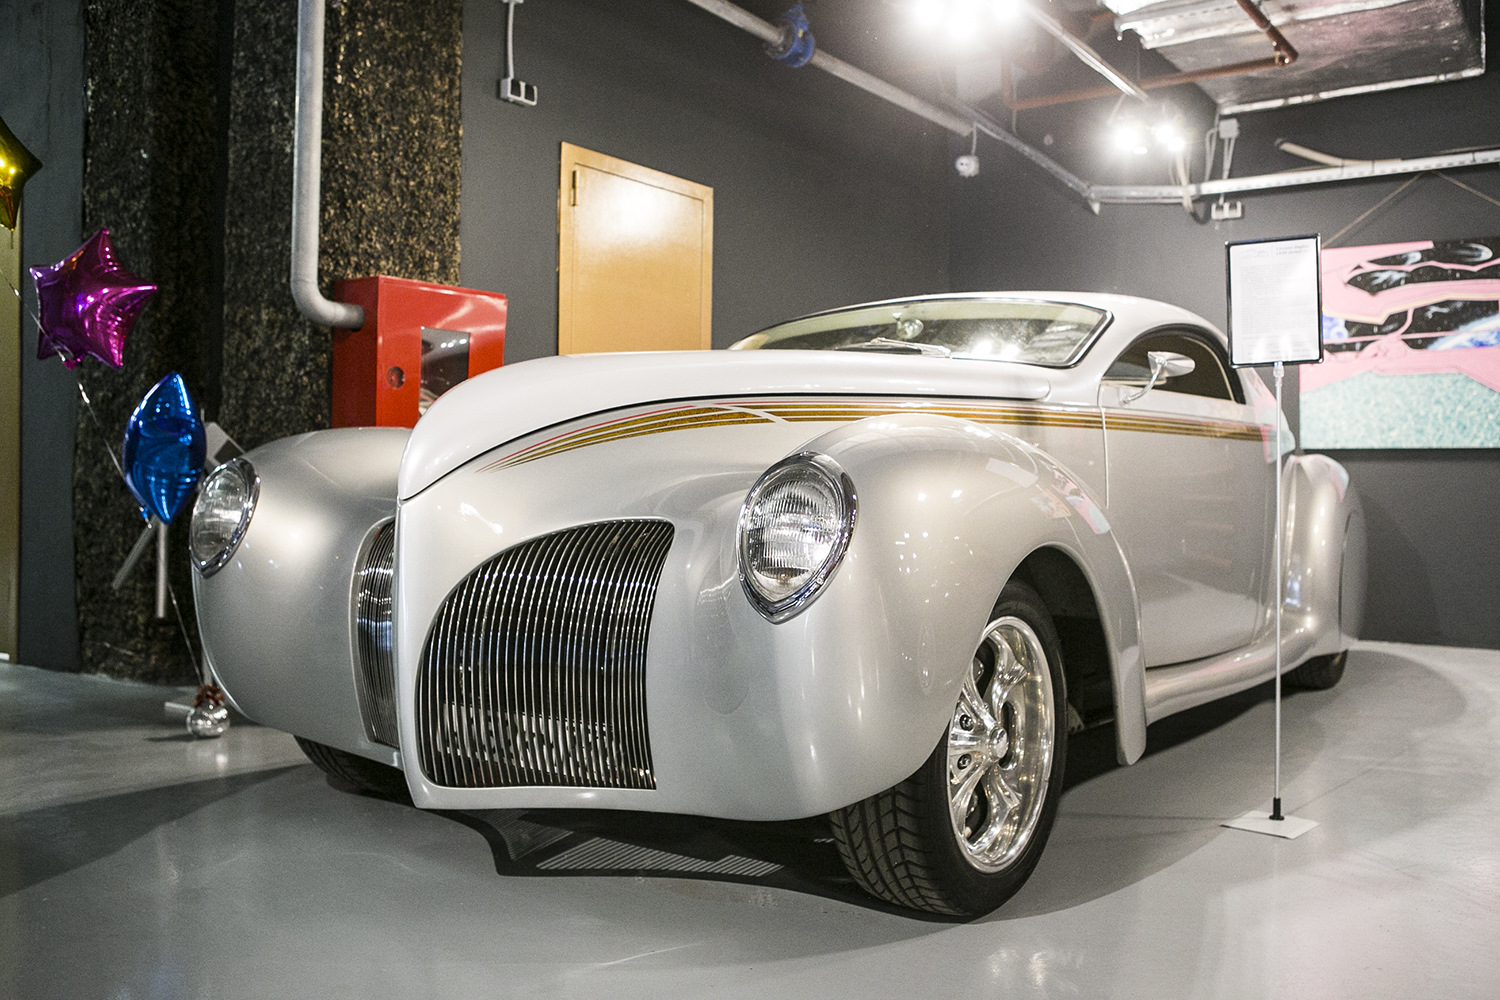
30 312
103 438
186 638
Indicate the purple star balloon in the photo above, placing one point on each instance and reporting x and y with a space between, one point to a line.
88 304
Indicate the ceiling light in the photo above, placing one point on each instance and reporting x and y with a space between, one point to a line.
928 14
1169 136
1127 136
1006 12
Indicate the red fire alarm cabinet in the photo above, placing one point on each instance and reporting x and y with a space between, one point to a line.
419 340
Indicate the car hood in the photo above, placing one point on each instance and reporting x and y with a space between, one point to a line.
510 402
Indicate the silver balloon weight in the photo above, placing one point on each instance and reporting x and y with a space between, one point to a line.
209 718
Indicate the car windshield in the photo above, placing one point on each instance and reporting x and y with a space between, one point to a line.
1053 334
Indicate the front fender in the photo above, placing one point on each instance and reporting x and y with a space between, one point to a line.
947 511
276 619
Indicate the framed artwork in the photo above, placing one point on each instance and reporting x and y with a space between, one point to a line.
1411 341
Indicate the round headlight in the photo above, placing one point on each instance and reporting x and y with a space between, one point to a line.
222 513
794 530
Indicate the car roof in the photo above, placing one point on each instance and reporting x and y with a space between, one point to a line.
1132 310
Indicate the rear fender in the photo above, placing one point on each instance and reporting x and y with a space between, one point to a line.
1324 553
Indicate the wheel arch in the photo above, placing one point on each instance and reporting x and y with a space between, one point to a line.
1087 666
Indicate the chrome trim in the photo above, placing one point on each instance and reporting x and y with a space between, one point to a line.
246 472
534 670
999 746
375 678
795 603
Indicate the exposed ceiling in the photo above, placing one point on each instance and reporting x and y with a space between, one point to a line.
1341 46
1344 46
1176 69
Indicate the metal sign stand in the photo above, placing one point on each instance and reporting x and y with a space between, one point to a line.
1276 825
1277 270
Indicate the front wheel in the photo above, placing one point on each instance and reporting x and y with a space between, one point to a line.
964 832
359 773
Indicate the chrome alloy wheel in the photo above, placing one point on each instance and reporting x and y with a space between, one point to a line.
1000 746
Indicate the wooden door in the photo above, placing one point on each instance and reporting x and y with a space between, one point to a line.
635 257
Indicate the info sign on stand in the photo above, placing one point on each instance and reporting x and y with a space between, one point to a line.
1275 318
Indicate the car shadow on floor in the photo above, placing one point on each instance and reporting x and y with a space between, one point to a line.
800 856
42 843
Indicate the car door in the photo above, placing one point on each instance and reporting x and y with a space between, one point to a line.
1189 493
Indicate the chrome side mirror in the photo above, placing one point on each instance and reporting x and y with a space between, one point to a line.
1164 365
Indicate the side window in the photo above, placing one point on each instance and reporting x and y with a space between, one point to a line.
1210 375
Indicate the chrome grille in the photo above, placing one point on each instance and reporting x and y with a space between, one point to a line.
372 629
534 670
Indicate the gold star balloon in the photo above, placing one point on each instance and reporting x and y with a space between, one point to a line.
16 167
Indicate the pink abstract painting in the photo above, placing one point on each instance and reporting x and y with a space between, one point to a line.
1411 339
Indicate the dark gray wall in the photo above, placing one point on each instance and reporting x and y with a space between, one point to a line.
41 49
1433 547
823 195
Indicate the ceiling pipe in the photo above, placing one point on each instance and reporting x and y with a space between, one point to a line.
1353 170
1283 54
1090 58
1096 195
1060 173
1328 160
307 163
771 34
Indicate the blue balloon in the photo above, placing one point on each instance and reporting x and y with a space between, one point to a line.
164 449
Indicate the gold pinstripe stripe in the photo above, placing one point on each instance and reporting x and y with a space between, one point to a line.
1186 427
739 412
630 427
1025 415
1000 414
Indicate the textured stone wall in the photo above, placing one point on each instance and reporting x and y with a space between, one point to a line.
188 148
149 164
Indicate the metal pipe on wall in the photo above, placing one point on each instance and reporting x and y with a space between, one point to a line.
307 170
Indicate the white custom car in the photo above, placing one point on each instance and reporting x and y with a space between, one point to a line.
875 563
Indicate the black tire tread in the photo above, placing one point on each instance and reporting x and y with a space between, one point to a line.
359 773
880 842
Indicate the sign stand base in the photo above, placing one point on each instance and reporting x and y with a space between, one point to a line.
1287 828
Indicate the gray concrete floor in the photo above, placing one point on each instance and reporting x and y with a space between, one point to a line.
136 862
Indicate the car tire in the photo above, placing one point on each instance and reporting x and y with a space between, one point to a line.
1319 673
359 773
937 841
